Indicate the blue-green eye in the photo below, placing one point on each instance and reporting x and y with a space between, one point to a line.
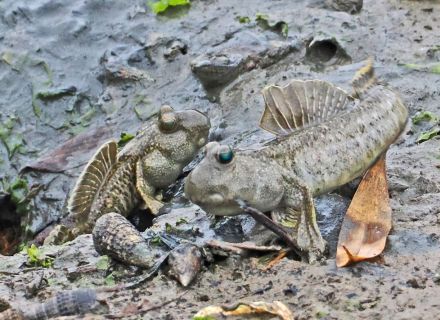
225 156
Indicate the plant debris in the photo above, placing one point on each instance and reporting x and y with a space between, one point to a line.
55 93
368 219
431 68
276 308
428 135
163 5
36 258
125 138
425 116
276 26
243 19
12 142
18 190
71 153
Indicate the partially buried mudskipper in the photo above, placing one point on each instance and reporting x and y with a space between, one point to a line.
117 182
325 138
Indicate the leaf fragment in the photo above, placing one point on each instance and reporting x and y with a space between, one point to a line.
13 142
162 5
55 93
276 308
276 26
431 67
425 116
428 135
125 138
368 219
243 19
37 258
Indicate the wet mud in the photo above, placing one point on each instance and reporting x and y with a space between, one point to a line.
76 74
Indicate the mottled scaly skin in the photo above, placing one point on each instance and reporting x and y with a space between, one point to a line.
284 175
151 161
333 153
119 193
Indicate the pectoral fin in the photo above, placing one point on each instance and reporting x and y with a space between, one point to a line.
146 191
301 104
91 180
368 220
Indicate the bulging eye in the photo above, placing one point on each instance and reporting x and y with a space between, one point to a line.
167 121
225 155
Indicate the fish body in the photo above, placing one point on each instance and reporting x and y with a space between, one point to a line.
118 181
325 139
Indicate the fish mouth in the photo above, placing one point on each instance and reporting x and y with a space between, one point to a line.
217 205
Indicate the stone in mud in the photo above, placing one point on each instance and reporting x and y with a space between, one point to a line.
242 52
12 314
121 63
174 48
350 6
185 262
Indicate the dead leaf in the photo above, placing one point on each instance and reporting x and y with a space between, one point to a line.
276 308
368 220
72 153
275 260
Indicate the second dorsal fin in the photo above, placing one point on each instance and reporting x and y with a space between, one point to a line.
300 104
364 79
91 180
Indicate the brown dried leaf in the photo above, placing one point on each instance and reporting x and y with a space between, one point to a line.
368 220
276 308
73 152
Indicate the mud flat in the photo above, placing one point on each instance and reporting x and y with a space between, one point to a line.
91 70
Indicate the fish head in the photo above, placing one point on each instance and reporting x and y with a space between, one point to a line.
224 176
193 123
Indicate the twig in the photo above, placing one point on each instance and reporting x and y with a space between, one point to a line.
268 223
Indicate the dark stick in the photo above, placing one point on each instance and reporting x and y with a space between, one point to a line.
270 224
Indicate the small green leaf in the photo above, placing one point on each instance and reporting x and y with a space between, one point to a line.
103 263
425 136
110 280
204 318
278 26
321 314
425 116
125 138
169 228
181 221
243 19
432 67
56 93
36 258
285 29
156 240
163 5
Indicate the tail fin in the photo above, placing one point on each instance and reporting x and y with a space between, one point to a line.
364 79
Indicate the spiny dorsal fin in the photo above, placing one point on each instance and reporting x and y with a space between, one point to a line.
364 79
91 180
300 104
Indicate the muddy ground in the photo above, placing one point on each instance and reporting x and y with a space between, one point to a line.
90 70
